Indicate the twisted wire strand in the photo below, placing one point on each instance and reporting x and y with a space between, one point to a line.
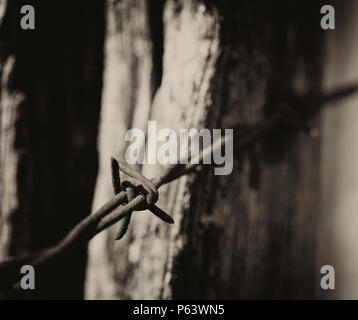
117 188
139 193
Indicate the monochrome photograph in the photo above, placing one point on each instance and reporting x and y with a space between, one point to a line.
178 150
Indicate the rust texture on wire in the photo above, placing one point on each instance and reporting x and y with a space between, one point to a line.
137 193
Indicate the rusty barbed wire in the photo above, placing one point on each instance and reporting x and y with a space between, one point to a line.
117 188
137 193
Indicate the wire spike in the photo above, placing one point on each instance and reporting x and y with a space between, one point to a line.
117 188
116 178
161 214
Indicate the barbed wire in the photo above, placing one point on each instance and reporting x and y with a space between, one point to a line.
137 193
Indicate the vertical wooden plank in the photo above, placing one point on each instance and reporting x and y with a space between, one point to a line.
126 102
338 222
247 235
50 100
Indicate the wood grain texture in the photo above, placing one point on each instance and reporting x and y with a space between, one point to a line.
126 103
337 237
50 101
14 231
246 235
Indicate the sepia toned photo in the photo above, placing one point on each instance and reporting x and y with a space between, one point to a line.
178 150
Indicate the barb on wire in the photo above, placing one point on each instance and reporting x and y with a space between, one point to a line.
132 187
117 188
137 193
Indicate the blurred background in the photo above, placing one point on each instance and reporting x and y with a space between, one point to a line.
91 70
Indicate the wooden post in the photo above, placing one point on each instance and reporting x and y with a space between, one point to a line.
247 235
